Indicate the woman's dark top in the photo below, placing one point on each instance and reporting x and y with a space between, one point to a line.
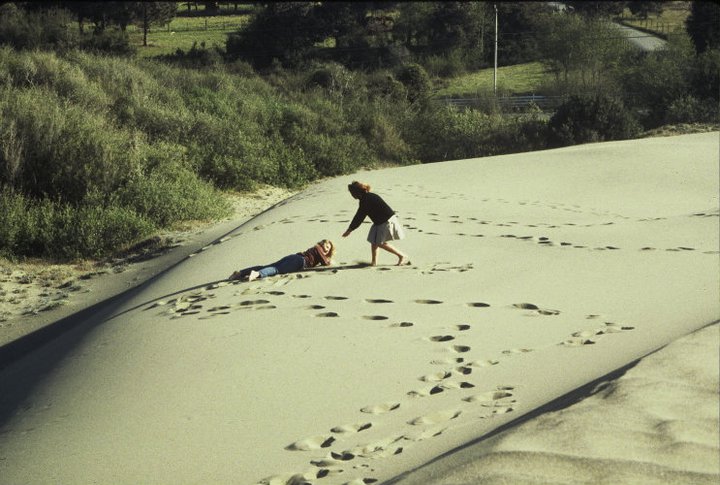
375 207
314 256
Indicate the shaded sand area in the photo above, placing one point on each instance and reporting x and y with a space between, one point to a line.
532 275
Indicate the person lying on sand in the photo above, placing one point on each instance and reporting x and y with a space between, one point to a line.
386 226
320 254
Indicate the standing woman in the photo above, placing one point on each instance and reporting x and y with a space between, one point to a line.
386 226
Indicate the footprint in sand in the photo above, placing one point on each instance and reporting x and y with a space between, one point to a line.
424 434
375 317
327 315
313 443
379 300
478 304
462 327
483 363
491 397
436 376
351 428
535 308
437 389
459 349
611 327
336 297
428 302
380 408
441 338
590 337
378 449
516 351
286 479
435 418
402 324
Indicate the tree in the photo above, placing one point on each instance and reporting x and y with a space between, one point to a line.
576 45
643 8
149 13
597 9
703 25
459 25
285 31
518 29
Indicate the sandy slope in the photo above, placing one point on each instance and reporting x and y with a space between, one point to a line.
532 275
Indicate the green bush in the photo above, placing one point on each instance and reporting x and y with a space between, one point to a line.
171 194
450 65
381 84
63 232
689 109
35 30
416 81
591 119
66 151
110 41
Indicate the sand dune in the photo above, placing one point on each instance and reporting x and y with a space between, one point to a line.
532 275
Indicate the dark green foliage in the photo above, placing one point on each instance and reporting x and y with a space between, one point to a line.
285 31
445 133
591 119
643 8
664 77
703 25
60 231
35 30
416 81
689 109
602 8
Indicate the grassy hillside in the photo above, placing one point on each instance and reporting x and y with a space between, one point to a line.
518 79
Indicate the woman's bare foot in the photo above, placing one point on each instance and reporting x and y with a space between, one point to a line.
402 260
253 275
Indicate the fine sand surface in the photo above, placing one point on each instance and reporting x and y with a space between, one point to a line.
531 276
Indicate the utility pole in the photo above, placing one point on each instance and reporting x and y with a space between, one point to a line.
496 49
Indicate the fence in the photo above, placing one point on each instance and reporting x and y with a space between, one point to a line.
507 102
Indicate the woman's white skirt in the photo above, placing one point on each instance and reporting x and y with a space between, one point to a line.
389 231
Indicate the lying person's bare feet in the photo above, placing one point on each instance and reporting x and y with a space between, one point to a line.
253 276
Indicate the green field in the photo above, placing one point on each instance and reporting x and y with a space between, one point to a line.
518 79
672 19
183 32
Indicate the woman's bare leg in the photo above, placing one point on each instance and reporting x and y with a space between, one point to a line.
401 257
373 252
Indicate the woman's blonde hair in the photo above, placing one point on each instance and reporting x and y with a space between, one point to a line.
357 188
330 253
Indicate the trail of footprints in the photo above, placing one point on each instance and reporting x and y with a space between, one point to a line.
341 217
455 376
543 240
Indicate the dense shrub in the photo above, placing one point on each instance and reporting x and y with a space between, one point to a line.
34 30
446 133
416 81
445 66
689 109
60 231
591 119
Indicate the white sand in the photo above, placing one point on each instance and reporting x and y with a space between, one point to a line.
533 274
